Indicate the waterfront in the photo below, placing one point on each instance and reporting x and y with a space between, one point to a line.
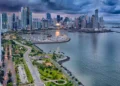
46 37
94 57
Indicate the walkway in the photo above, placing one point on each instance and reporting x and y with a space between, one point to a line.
32 69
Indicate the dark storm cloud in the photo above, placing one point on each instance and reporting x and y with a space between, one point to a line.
66 6
111 6
10 5
110 2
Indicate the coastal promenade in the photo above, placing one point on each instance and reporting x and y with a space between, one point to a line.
66 73
34 72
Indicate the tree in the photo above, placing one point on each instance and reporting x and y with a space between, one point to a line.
10 84
21 54
9 74
54 56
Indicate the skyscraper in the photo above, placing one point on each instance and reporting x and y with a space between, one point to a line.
9 22
93 22
18 23
0 21
101 22
13 21
48 16
26 18
96 18
36 23
4 22
45 24
0 36
58 18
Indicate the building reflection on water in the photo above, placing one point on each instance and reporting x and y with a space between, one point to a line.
94 42
57 33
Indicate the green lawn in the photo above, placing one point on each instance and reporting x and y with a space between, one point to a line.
35 51
53 84
29 76
47 73
51 73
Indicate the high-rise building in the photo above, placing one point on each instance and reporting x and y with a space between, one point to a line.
36 23
58 18
45 24
96 18
13 21
101 22
93 22
26 18
9 22
76 23
0 21
0 36
48 16
4 22
18 23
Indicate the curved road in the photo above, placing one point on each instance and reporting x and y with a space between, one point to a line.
32 69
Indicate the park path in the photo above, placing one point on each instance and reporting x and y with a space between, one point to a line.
34 72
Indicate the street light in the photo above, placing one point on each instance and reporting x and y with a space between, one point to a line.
58 24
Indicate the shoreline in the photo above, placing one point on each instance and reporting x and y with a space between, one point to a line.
66 71
60 62
64 60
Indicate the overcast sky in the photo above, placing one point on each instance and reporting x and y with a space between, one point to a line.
109 9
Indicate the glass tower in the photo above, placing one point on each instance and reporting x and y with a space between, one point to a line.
26 18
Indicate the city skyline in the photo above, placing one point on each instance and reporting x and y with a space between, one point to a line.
25 20
107 8
59 42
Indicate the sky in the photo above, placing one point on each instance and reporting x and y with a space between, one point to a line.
109 9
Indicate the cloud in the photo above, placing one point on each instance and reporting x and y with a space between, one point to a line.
106 7
110 2
111 6
67 6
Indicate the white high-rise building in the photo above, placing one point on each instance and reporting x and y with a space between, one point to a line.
36 23
26 18
45 24
9 22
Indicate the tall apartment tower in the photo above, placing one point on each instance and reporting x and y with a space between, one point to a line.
4 22
96 18
26 18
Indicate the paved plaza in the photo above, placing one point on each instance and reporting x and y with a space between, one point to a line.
22 74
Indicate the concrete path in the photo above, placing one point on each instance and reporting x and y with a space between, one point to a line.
32 69
22 74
